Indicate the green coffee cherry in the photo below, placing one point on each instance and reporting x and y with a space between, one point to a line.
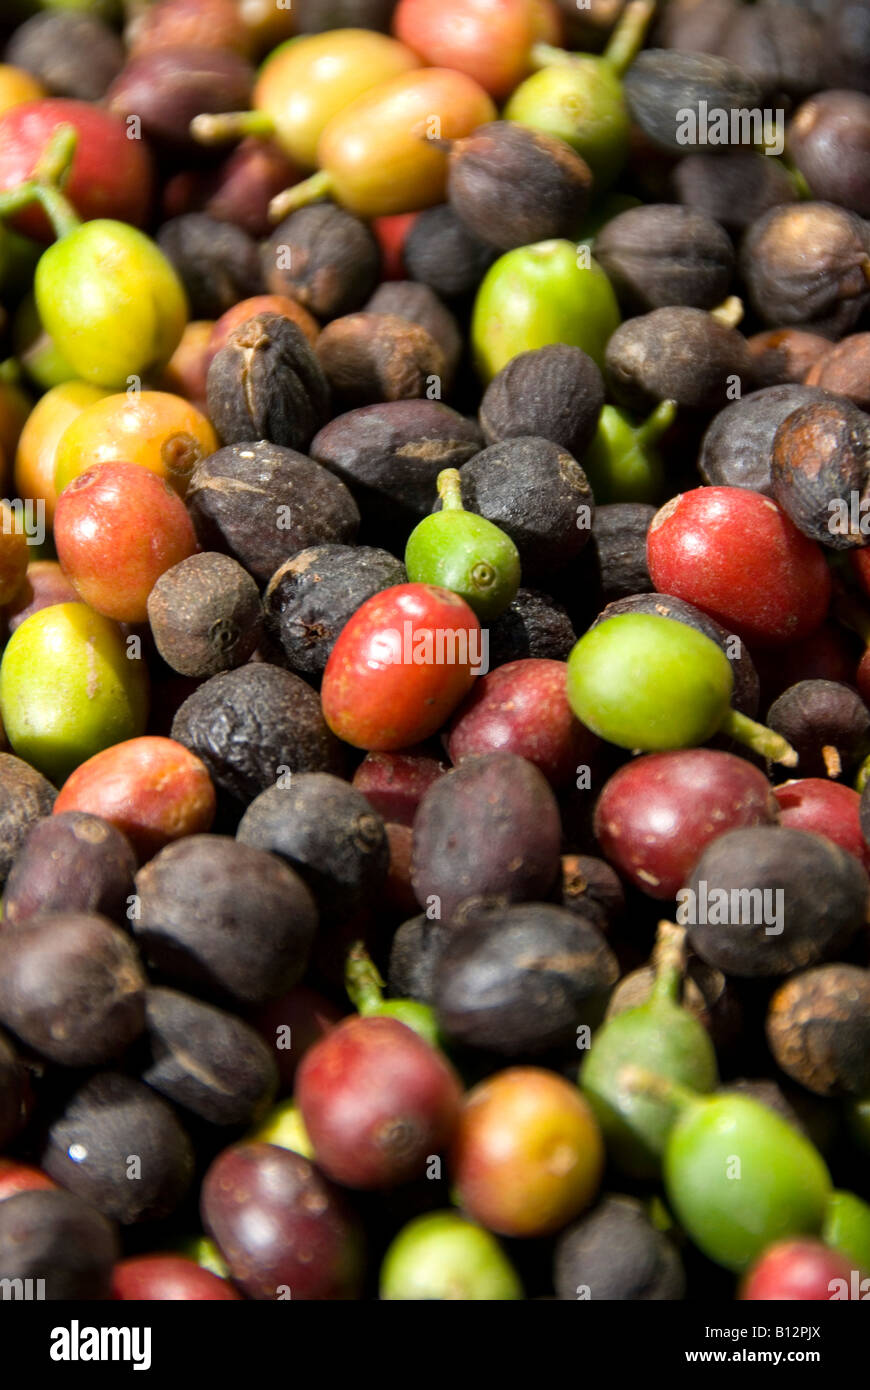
458 550
442 1256
69 689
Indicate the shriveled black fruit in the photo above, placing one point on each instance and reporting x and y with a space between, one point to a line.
406 299
536 492
57 1237
266 383
262 504
12 1092
534 625
205 615
820 471
513 186
553 393
734 188
844 369
781 356
72 987
847 44
664 91
311 597
254 726
323 257
520 980
442 253
827 724
780 47
206 1060
695 26
25 798
486 832
616 556
330 835
592 888
773 900
808 265
73 862
217 262
615 1252
746 683
678 354
818 1029
829 142
737 450
73 55
390 456
224 918
663 254
368 358
314 16
414 955
119 1146
169 87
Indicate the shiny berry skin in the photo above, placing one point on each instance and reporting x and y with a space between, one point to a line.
110 175
69 688
153 789
168 1279
384 686
111 302
282 1229
117 529
796 1271
377 1102
737 556
528 1155
825 808
522 707
156 429
656 814
18 1177
489 40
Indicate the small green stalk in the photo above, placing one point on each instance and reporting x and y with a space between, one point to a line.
656 424
10 372
310 190
628 37
362 980
669 960
51 170
449 485
623 47
759 738
219 128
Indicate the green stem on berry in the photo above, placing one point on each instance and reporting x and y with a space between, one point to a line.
669 962
219 128
657 424
310 190
362 980
628 37
623 47
759 738
10 372
42 187
449 485
54 163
